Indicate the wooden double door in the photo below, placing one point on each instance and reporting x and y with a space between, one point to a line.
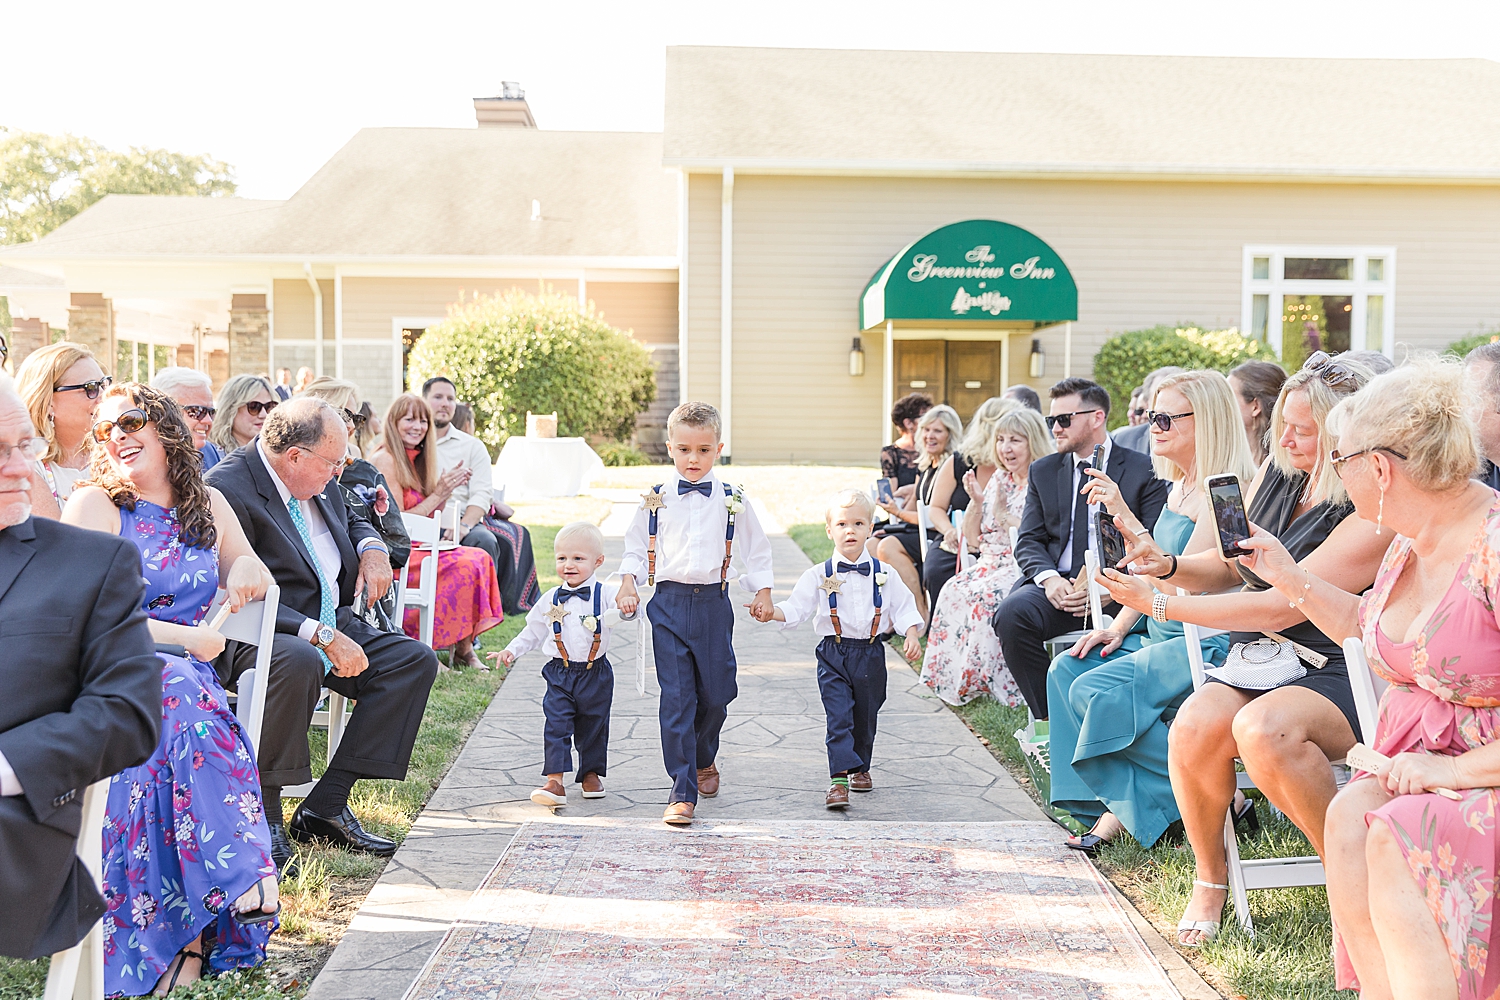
961 373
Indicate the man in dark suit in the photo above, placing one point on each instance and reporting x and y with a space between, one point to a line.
1054 532
322 555
82 686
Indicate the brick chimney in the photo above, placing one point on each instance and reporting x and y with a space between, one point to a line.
508 110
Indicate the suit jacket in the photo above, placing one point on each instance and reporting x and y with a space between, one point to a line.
1137 438
1050 499
246 483
82 701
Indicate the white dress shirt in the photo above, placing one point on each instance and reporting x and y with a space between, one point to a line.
690 539
537 634
9 783
453 447
325 549
856 596
1065 560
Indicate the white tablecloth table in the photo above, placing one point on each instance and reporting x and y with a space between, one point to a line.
534 468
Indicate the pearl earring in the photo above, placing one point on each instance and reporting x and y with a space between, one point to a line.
1380 516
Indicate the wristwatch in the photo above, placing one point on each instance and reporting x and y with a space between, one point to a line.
323 637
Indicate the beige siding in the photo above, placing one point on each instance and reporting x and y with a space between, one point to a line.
293 304
647 309
371 303
1141 253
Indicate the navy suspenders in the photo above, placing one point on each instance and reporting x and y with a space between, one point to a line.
562 650
833 600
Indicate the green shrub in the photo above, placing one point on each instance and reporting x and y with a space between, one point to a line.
1126 359
515 352
1462 347
621 453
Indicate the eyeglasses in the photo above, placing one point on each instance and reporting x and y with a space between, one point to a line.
256 408
1065 420
130 421
355 419
199 412
1163 421
1337 460
1333 374
4 351
90 389
332 466
30 448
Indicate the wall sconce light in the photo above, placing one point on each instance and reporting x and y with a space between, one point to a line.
1038 359
856 358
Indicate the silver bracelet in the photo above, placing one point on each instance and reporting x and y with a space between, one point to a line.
1159 607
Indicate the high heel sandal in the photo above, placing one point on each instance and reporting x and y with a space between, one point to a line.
1246 820
179 961
1208 928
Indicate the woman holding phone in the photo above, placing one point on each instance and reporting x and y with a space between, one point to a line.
1287 735
900 547
1112 695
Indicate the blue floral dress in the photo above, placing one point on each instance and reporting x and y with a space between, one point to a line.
184 833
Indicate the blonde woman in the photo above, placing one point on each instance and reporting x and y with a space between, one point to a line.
1111 695
949 493
1287 735
963 658
900 547
242 406
468 595
61 385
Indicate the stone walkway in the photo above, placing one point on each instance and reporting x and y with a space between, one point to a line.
928 767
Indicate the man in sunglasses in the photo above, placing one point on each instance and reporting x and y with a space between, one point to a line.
194 393
1137 436
1055 528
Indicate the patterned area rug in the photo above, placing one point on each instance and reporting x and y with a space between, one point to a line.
780 910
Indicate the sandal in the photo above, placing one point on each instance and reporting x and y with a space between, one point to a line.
1245 818
1208 928
1090 842
259 915
179 961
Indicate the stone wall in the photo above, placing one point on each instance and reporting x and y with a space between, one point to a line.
249 336
91 322
25 336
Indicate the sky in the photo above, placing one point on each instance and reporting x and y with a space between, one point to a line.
275 88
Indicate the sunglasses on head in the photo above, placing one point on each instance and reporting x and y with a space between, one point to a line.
90 389
1065 420
1163 421
130 421
357 420
257 408
195 412
1333 374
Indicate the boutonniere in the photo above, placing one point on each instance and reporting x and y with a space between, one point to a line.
880 579
735 501
589 622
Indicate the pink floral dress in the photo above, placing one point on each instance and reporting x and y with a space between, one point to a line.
963 659
468 593
1444 697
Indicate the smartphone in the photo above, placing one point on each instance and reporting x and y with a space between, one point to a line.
1111 543
1231 526
885 491
1098 460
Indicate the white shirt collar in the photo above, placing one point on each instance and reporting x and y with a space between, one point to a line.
589 583
711 479
864 557
286 494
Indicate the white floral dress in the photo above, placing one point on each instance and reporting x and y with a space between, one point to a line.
963 659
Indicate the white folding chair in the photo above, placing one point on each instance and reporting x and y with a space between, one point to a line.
1256 873
78 972
924 525
1368 687
254 624
425 533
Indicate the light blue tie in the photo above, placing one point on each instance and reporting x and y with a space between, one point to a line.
328 606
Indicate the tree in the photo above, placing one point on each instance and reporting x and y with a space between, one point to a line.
45 180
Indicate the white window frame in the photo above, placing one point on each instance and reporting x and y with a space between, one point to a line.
1277 287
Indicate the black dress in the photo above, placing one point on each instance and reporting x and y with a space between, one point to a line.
939 566
899 464
1272 509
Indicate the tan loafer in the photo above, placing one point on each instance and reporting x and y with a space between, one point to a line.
679 814
838 796
708 781
593 787
860 782
551 794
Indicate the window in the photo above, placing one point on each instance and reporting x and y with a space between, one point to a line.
1302 299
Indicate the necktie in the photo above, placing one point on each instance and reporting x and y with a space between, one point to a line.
564 594
863 569
705 487
1080 522
328 605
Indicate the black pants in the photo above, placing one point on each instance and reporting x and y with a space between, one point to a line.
851 679
1023 622
576 709
391 695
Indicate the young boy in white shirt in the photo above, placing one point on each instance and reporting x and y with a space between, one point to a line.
569 620
681 542
853 599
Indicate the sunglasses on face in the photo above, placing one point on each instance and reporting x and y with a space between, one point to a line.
4 351
199 412
356 420
1163 421
90 389
1139 411
1337 460
130 421
1333 374
257 408
1065 420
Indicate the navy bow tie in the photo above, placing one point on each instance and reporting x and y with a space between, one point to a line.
564 594
863 569
705 487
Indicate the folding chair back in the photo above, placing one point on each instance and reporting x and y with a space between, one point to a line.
254 624
78 972
924 525
425 533
1368 687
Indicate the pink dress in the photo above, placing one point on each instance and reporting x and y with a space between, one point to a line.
468 594
1444 698
963 659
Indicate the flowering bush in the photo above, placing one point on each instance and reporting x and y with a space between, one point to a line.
1126 359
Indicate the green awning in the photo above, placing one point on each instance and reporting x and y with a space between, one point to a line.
975 271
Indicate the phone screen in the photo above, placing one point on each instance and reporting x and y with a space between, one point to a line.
1111 542
1098 460
884 491
1229 516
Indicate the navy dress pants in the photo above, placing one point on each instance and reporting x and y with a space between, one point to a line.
576 707
692 627
851 677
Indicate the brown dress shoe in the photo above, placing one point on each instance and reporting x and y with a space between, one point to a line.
708 781
593 787
551 794
838 797
860 782
679 814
